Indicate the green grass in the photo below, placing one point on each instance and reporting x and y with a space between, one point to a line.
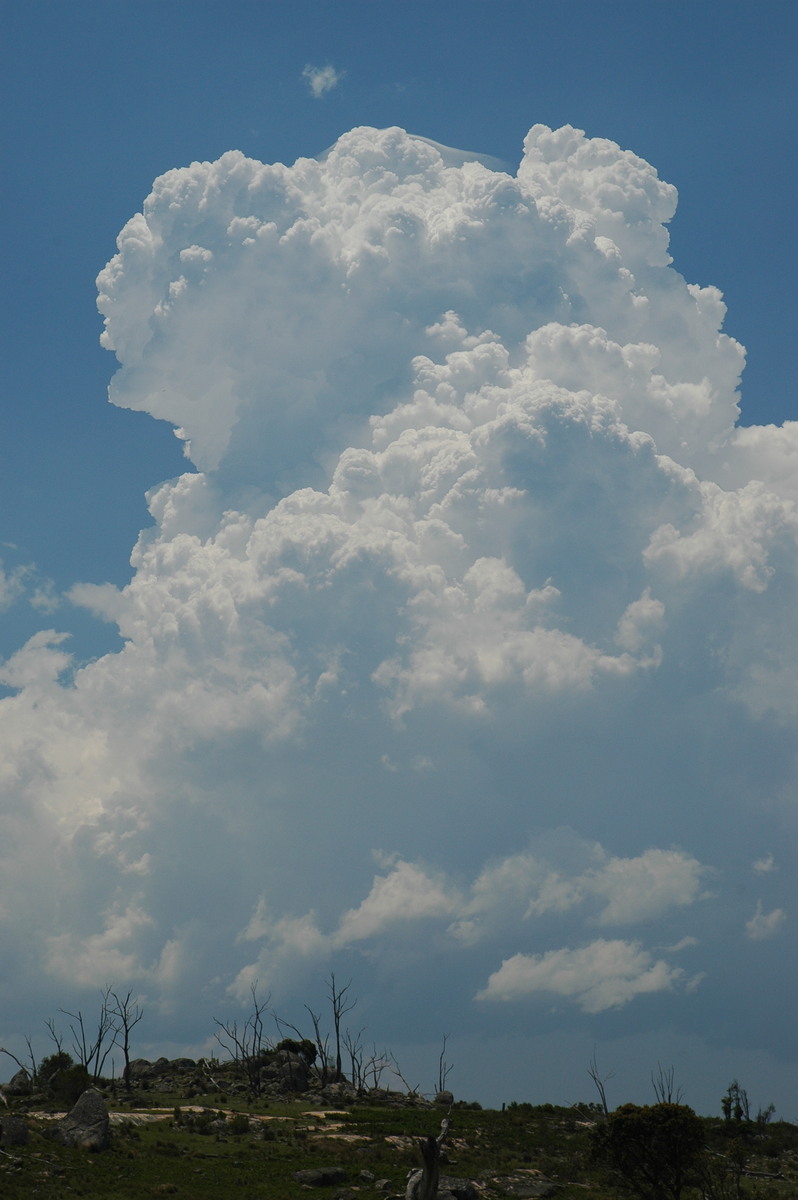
192 1157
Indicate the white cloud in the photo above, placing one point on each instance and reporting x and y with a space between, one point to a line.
764 865
101 957
413 902
38 663
12 585
638 889
322 80
611 891
762 925
469 543
600 976
407 893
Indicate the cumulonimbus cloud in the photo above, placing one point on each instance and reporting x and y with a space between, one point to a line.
470 545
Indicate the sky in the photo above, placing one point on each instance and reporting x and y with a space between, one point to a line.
422 607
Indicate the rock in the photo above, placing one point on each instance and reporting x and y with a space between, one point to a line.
293 1072
183 1066
461 1189
383 1098
87 1125
13 1132
340 1092
321 1177
19 1084
445 1099
526 1184
449 1188
141 1070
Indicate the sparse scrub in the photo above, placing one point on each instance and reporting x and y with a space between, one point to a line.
211 1155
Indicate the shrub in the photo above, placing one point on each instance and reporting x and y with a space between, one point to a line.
238 1124
304 1048
51 1065
68 1086
657 1150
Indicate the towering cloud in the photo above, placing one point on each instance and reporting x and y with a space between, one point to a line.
471 568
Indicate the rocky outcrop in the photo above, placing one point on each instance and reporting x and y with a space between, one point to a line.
292 1072
279 1075
19 1084
87 1125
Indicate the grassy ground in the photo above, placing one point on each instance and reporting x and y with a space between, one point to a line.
200 1153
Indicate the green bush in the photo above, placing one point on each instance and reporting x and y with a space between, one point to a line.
63 1079
51 1065
657 1150
304 1048
238 1124
68 1085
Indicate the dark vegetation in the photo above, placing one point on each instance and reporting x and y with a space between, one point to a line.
280 1118
253 1151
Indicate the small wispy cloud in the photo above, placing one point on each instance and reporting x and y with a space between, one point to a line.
764 925
322 80
764 866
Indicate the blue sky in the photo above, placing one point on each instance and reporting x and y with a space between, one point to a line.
625 725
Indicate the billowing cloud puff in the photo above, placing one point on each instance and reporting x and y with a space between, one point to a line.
410 901
472 550
599 976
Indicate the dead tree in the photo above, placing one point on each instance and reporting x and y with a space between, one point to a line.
322 1046
57 1038
394 1063
664 1086
127 1013
247 1045
599 1080
354 1047
92 1053
340 1006
444 1068
377 1062
32 1070
423 1184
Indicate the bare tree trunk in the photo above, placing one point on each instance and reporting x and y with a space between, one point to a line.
424 1184
599 1080
128 1013
340 1006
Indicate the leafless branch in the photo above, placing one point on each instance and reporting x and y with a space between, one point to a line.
599 1080
664 1086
